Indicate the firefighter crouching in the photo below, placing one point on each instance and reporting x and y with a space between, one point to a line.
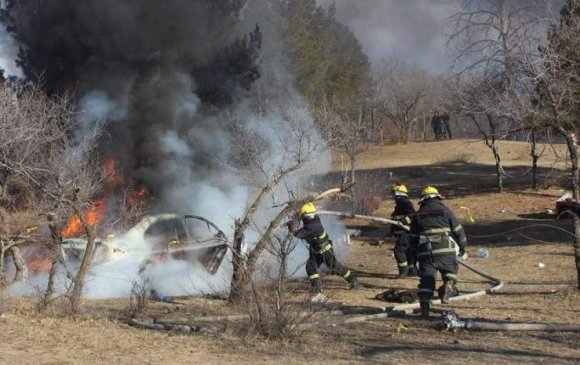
431 229
320 250
403 211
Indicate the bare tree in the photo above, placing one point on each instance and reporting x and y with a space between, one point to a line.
347 130
558 92
475 101
401 88
492 41
45 172
31 125
266 159
76 182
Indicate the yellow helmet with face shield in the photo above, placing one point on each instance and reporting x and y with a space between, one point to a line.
400 189
430 192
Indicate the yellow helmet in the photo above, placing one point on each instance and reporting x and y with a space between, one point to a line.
308 208
400 189
430 192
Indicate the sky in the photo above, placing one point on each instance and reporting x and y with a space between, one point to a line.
412 29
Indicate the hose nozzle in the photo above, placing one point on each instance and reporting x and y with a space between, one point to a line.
450 321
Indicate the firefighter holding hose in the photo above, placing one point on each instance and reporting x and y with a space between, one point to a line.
430 238
404 209
320 250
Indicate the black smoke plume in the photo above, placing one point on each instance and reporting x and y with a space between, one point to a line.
155 70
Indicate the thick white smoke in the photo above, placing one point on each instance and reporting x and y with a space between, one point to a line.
8 54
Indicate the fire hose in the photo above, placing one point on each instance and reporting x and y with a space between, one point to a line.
449 320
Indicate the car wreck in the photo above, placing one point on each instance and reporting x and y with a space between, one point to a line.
154 239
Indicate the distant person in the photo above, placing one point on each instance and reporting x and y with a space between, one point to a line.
435 121
431 229
445 120
321 251
403 212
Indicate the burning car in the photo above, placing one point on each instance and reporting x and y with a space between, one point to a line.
155 238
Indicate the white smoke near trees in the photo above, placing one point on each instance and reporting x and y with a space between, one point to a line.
8 54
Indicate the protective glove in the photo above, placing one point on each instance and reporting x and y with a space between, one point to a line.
461 251
291 226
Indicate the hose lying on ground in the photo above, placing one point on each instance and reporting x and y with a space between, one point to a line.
450 320
402 309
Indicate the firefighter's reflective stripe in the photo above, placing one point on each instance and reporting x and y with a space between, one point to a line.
322 236
458 228
451 276
405 218
437 251
422 290
432 238
346 275
323 250
436 230
402 264
314 276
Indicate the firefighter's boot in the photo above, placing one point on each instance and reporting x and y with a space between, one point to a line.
403 272
425 306
413 271
315 286
447 290
353 281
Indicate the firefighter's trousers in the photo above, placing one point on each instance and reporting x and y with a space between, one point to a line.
402 254
429 265
326 257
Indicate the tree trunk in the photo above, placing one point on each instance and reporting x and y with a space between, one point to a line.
577 248
573 152
79 280
498 167
56 240
404 131
19 263
535 157
353 194
284 246
238 265
2 254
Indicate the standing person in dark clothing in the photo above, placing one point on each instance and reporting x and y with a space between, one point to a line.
431 230
403 211
321 251
435 121
445 120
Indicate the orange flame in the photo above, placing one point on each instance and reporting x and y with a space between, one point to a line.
94 216
40 264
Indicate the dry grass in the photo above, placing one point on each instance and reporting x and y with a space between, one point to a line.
531 294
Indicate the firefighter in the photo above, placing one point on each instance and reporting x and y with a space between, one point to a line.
403 211
431 229
320 250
